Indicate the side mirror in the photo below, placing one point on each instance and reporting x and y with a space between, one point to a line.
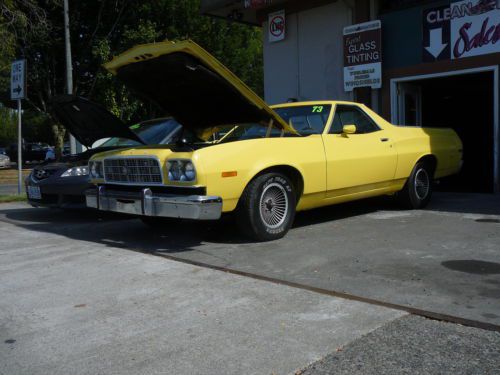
349 129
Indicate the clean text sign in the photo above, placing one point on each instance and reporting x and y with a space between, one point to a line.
462 29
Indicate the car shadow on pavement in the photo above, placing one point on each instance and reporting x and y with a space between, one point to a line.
178 236
124 231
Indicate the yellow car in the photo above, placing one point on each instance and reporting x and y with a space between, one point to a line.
263 163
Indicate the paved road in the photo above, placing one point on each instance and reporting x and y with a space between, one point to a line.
78 291
416 346
445 259
82 307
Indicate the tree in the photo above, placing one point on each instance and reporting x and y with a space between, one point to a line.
101 29
8 126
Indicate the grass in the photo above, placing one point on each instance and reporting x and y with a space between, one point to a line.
9 176
12 198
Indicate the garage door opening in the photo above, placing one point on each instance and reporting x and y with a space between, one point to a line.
466 104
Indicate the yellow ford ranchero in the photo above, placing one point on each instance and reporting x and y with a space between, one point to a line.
237 154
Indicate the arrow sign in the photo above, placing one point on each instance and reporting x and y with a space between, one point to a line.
436 45
18 80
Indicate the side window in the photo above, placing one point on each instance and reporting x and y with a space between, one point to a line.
349 115
336 125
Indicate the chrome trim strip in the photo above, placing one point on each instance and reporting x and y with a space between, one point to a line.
145 203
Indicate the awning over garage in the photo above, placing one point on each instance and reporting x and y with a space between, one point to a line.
246 11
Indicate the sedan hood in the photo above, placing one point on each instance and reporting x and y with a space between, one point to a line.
192 86
87 121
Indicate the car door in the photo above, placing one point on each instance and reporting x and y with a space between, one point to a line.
359 162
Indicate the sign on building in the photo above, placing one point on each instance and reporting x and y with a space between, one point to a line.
277 26
363 55
257 4
17 80
462 29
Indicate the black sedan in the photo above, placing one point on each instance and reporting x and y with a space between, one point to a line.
61 184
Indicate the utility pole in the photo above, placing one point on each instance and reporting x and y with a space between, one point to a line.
69 66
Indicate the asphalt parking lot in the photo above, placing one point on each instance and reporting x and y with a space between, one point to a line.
88 290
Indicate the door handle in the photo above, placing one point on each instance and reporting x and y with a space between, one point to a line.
384 139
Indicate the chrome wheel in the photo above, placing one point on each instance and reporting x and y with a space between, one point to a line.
422 184
273 205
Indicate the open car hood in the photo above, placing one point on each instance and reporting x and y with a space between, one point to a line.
87 121
192 86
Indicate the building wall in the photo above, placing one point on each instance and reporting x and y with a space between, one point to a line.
403 39
308 64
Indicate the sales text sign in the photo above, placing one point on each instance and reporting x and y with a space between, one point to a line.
363 55
462 29
18 80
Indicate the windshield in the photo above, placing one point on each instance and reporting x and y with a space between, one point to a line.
246 131
151 132
307 119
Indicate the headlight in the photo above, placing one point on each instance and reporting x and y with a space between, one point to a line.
76 171
181 170
96 170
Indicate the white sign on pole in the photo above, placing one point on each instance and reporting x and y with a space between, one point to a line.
277 26
363 55
17 80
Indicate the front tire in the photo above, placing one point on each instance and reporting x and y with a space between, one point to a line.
267 207
417 191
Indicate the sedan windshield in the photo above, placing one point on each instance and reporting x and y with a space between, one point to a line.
151 132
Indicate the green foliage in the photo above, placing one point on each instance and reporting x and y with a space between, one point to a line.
101 29
8 126
13 198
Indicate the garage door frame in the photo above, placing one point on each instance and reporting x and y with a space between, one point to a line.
496 120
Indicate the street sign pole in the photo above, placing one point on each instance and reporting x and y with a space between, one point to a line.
19 149
18 93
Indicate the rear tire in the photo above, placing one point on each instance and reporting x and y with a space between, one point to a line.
266 209
417 191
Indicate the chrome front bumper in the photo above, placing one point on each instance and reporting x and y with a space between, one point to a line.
145 203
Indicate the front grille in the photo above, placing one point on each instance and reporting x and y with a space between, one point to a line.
132 171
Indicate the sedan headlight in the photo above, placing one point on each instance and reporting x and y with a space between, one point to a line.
181 170
76 171
96 169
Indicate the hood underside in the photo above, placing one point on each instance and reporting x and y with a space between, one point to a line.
192 86
87 121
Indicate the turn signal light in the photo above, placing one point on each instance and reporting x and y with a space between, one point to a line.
230 174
